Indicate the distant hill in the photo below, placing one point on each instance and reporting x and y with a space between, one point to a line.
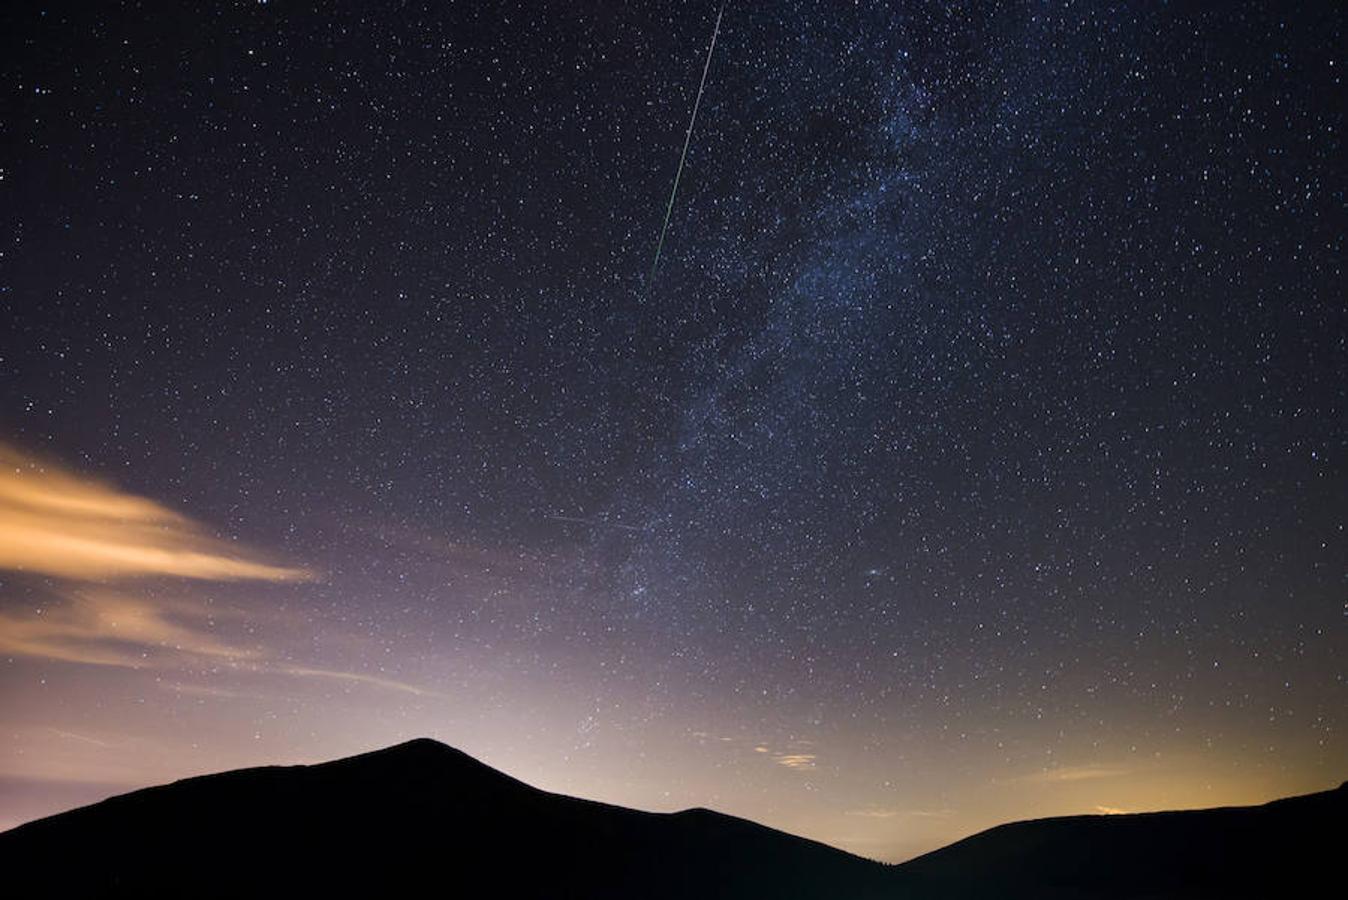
423 819
1287 848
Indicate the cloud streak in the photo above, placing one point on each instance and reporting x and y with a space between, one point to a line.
101 627
53 522
1068 774
87 533
875 812
391 684
797 761
108 628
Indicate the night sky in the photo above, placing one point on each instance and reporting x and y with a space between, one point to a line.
977 451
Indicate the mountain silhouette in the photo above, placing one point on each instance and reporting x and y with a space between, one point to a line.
424 819
1286 848
419 818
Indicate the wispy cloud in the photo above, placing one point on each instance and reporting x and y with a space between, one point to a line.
795 756
1111 811
872 813
101 627
1066 774
875 812
54 522
356 678
799 761
208 691
86 533
76 736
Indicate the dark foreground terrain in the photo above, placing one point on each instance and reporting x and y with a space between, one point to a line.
423 819
1287 848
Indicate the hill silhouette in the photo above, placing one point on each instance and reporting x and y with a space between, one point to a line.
422 818
1286 848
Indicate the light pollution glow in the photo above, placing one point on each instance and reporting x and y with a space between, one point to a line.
124 665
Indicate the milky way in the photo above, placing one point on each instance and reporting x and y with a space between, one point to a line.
977 453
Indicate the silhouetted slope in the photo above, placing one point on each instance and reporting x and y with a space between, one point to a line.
418 817
1287 848
423 819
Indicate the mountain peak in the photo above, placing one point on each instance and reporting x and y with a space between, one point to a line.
420 745
422 749
422 757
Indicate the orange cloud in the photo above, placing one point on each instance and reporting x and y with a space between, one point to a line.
106 628
800 761
872 813
1067 774
101 627
53 522
876 812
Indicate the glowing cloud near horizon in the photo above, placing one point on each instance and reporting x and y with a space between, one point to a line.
53 522
108 628
84 533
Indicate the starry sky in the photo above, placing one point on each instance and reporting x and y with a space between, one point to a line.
977 451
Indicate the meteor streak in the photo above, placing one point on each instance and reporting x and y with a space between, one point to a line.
687 139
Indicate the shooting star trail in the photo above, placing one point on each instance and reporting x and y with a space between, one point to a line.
687 139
